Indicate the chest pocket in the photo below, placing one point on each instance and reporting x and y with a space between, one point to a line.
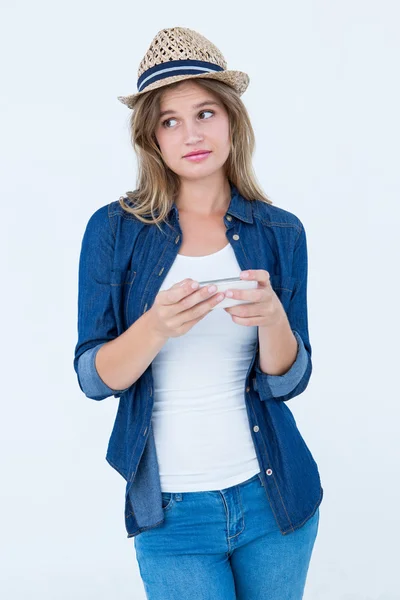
283 286
121 286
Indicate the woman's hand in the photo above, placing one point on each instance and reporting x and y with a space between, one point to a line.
177 309
264 308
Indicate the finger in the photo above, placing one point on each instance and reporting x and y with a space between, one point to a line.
245 310
260 275
177 292
179 283
195 307
253 295
205 292
246 321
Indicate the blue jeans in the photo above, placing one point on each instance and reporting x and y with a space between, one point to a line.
224 545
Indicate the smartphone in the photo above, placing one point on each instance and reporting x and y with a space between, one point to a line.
230 283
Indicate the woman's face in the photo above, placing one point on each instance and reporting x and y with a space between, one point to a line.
188 127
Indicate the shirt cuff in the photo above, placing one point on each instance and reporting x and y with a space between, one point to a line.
91 382
271 386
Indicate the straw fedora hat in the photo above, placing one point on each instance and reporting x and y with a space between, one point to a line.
180 53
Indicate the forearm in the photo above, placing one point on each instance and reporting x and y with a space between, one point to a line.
278 347
122 361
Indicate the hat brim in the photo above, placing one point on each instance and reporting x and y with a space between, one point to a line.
237 79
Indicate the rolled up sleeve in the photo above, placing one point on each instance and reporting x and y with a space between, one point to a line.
295 380
96 323
90 380
272 386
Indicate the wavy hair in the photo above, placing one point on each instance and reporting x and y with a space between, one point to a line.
157 184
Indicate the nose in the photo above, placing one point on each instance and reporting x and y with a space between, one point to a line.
192 132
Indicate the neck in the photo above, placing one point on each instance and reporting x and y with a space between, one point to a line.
205 198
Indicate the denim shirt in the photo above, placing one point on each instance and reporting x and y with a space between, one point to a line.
122 265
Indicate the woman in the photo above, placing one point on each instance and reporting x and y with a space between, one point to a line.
222 494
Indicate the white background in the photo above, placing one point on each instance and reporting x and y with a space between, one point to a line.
324 102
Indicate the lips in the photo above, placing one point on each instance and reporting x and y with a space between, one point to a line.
197 153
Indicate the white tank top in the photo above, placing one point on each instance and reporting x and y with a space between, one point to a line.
200 423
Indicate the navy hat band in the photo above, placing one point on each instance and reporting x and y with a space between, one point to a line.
175 67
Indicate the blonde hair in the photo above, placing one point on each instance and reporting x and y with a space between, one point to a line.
157 184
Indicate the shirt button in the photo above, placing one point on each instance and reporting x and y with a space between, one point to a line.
256 428
269 471
247 389
235 236
229 218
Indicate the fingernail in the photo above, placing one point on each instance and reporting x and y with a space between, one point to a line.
194 285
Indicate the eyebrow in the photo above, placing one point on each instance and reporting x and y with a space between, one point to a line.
205 103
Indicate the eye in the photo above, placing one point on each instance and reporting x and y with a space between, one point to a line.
164 123
206 111
172 119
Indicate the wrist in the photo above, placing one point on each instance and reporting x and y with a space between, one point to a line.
279 321
154 332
